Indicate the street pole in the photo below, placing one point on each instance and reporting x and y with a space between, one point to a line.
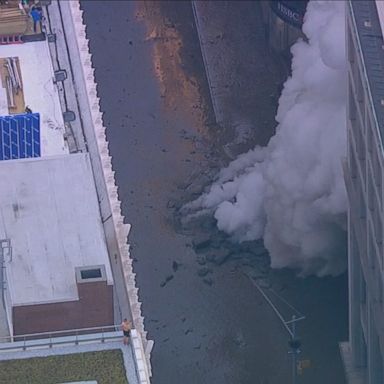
294 344
294 360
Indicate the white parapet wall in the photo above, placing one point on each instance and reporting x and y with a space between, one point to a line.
116 231
142 369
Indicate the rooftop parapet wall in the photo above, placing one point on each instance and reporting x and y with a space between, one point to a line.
116 230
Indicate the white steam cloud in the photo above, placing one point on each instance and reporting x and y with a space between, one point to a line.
292 193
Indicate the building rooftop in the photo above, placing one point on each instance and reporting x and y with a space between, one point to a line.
39 91
49 211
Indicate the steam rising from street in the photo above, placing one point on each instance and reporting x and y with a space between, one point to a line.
291 193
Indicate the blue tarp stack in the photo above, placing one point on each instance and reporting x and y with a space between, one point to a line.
19 136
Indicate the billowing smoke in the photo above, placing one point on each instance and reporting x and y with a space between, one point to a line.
292 193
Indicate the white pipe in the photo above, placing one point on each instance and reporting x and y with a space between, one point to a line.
16 71
10 72
10 92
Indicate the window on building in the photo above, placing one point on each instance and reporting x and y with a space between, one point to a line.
360 92
378 227
361 200
372 251
363 288
377 171
352 162
369 130
351 103
357 129
351 47
370 190
379 288
359 139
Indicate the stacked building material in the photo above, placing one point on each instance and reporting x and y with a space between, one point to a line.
11 80
13 23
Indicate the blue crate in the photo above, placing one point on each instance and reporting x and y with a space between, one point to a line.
20 136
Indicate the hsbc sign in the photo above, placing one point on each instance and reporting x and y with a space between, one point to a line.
291 12
292 15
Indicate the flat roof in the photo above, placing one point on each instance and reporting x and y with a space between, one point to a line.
40 93
49 211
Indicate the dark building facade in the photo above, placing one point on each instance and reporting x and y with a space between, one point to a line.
282 24
94 308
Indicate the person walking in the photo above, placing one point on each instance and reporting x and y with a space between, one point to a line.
37 16
126 327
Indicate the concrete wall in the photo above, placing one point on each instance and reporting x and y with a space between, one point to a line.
93 309
142 369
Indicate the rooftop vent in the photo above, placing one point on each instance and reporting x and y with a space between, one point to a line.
90 274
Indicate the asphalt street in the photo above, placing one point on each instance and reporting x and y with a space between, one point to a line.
209 322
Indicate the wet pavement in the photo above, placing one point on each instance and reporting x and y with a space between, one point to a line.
209 322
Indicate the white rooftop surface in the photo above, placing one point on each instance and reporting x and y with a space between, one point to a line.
49 210
40 93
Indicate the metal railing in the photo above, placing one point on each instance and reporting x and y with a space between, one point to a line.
69 336
5 249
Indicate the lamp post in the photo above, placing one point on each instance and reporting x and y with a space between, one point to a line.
294 342
294 345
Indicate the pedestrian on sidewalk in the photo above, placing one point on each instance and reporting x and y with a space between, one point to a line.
126 327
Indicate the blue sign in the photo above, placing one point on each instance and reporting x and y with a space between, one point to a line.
292 12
